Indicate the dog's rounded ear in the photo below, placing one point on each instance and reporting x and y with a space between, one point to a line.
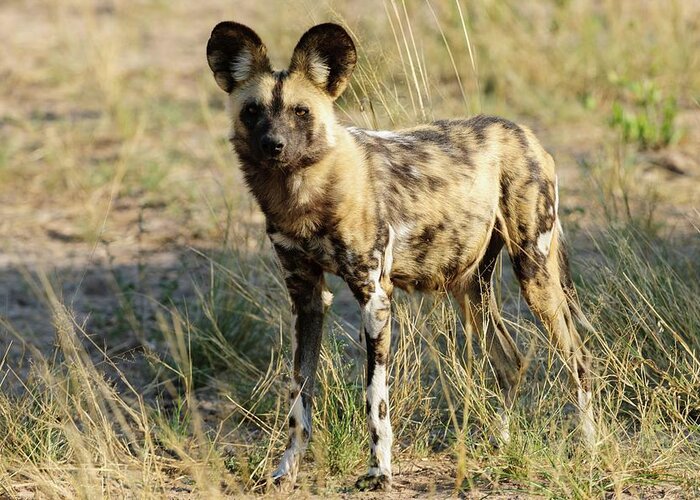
326 55
235 53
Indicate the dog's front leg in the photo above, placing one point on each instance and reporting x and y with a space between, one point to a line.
375 301
310 299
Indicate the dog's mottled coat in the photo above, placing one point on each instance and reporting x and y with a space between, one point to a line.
427 208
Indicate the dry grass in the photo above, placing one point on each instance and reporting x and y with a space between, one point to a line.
163 377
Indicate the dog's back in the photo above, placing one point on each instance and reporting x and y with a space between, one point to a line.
443 188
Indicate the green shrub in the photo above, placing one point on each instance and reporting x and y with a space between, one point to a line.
645 116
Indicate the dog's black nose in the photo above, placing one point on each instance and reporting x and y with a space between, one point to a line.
272 145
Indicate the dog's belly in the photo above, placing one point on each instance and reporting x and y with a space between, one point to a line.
428 258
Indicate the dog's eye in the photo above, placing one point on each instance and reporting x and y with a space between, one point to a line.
252 109
301 111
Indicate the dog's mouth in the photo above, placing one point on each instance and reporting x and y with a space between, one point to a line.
262 160
276 162
287 162
284 163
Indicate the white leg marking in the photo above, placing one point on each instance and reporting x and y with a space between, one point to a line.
503 431
544 241
378 301
289 465
376 314
327 298
389 253
379 422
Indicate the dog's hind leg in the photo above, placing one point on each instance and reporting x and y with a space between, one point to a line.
548 292
480 309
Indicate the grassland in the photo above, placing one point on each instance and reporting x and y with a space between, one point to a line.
144 328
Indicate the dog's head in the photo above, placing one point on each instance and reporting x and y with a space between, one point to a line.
281 119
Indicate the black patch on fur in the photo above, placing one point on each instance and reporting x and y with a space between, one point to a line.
428 233
451 268
535 171
293 394
423 243
488 262
375 437
379 356
506 185
480 123
545 202
430 135
292 422
529 263
422 254
302 280
277 104
375 355
407 174
382 409
371 354
435 183
582 373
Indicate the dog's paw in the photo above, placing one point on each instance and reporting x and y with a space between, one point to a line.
285 476
370 482
501 437
281 483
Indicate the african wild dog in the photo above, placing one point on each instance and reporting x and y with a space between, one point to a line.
428 208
